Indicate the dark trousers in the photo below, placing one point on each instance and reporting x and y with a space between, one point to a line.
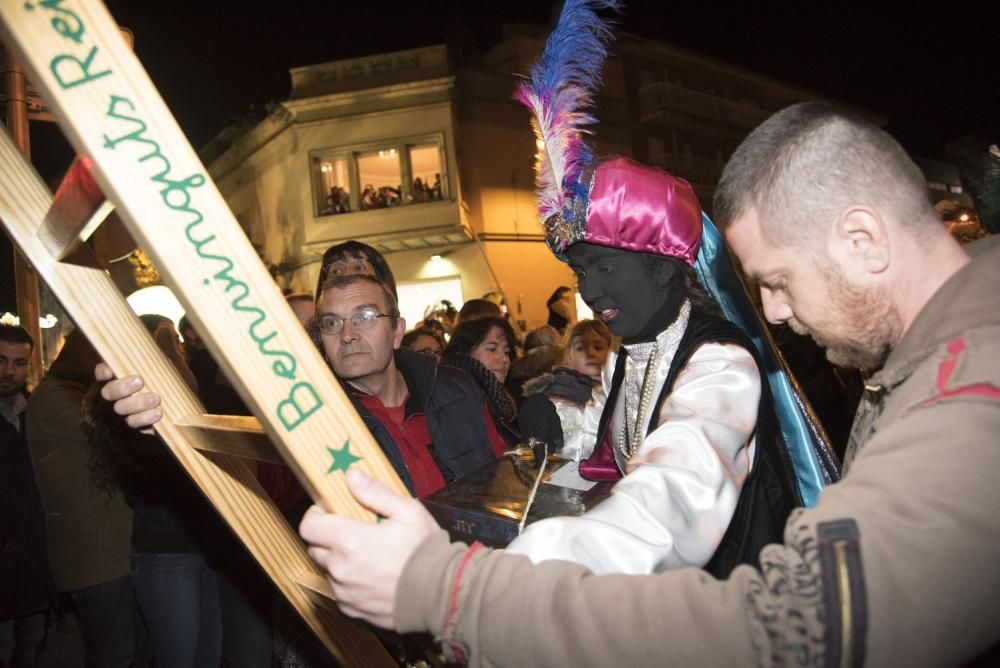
20 639
178 595
113 634
245 597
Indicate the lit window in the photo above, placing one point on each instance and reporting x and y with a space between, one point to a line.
378 176
333 185
425 169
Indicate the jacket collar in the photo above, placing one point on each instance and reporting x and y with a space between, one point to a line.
12 409
419 372
967 300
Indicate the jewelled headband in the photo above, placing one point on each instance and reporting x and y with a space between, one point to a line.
617 203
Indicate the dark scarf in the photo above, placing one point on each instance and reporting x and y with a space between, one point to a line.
665 315
494 390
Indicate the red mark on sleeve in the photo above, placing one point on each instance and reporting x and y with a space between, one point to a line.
455 589
947 369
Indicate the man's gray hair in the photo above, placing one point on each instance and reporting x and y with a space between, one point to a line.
343 281
804 165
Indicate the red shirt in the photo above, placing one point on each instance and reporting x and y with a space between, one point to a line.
496 440
413 439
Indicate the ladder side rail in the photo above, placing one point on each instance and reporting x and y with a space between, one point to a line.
96 306
111 113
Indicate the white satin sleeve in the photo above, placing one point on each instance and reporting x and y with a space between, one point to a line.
580 423
674 506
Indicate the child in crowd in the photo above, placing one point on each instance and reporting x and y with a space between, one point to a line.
573 386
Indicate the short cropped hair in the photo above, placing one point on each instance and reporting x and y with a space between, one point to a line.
343 281
16 334
807 163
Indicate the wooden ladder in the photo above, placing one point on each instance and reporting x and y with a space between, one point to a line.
112 114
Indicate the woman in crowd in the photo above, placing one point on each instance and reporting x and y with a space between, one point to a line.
173 529
477 308
485 347
193 583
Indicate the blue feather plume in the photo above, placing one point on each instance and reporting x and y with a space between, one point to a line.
560 94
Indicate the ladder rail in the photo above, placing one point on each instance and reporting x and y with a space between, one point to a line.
98 309
111 113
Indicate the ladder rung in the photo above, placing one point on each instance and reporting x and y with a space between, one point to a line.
77 209
238 435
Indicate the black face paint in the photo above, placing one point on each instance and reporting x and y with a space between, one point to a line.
619 286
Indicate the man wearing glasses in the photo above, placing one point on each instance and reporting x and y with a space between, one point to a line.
429 420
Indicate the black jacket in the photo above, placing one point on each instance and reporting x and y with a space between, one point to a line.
24 563
452 404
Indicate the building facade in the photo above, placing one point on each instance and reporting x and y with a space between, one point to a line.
434 165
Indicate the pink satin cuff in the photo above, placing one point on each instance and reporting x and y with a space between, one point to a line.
601 465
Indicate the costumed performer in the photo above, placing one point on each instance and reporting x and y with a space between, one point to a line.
684 422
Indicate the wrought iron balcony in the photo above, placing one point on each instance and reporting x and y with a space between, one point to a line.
695 170
659 97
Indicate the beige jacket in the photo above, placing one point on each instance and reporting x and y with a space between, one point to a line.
88 534
898 564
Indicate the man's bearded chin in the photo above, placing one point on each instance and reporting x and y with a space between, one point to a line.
868 327
854 357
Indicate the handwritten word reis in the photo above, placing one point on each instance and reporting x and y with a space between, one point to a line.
128 130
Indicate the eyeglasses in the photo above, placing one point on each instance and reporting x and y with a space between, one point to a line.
363 319
429 352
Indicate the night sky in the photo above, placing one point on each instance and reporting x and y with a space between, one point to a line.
931 73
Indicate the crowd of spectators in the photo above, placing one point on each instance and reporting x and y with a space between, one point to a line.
382 197
166 579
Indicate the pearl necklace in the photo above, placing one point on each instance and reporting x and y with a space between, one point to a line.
653 351
628 445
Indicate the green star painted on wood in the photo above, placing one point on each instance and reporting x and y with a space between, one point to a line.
342 459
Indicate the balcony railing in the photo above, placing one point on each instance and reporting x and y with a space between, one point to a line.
658 97
695 170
